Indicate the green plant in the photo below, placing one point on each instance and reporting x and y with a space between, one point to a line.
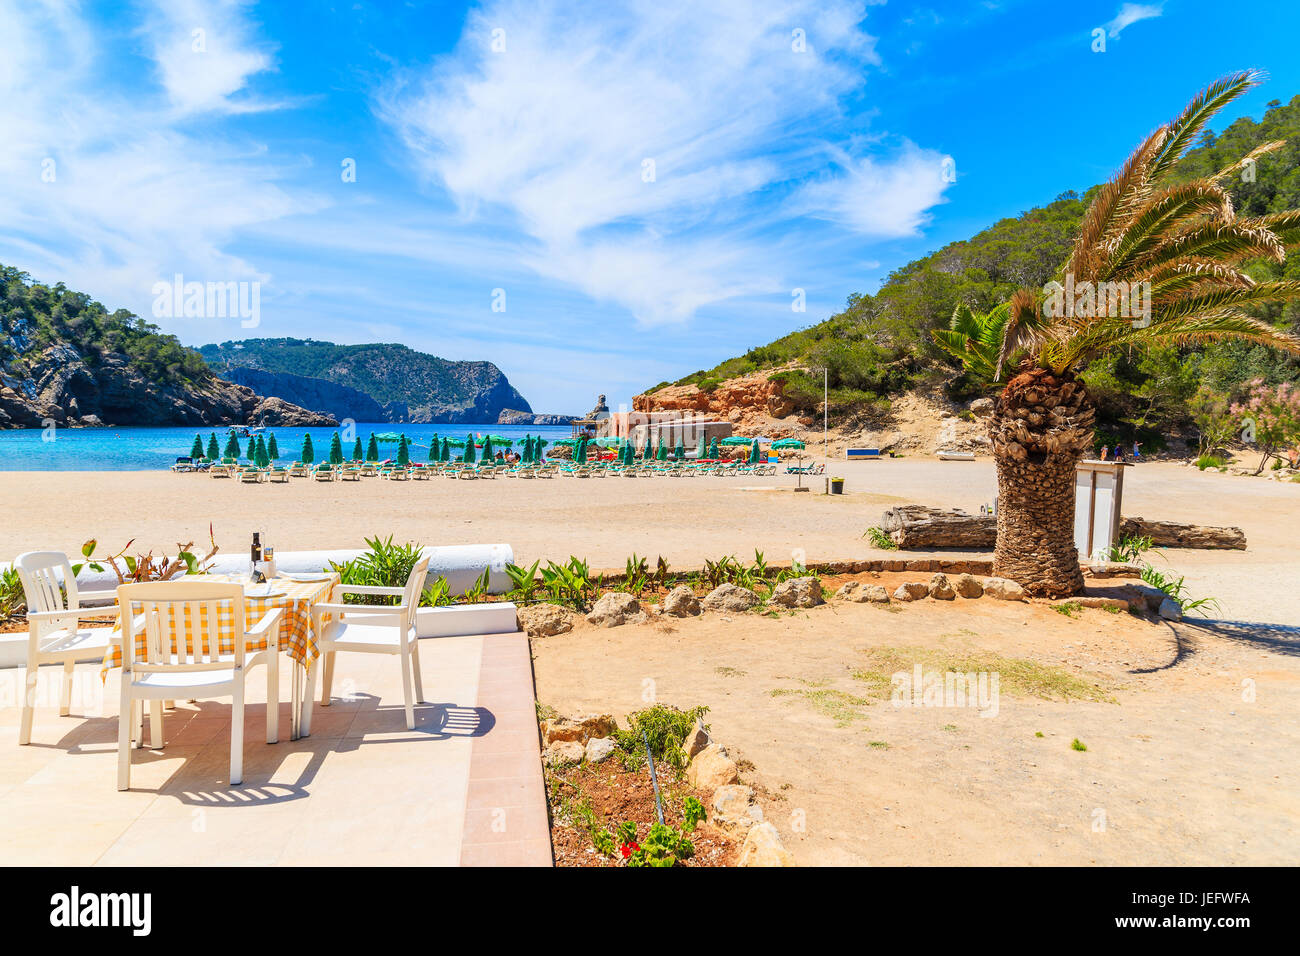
569 584
880 539
383 565
145 567
1068 608
523 581
1130 549
1209 461
437 593
12 598
692 814
1077 744
665 728
604 842
479 591
663 846
1176 588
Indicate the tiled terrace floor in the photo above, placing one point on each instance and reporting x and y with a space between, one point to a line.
464 787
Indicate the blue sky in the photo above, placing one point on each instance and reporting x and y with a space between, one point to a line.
647 182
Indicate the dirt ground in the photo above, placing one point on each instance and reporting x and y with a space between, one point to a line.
1180 767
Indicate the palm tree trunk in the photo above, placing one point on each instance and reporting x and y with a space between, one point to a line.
1040 427
1035 545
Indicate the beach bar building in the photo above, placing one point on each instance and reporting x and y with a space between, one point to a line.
670 427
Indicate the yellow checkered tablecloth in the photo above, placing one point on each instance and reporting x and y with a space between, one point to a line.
295 637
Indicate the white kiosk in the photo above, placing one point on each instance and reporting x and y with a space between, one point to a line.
1098 497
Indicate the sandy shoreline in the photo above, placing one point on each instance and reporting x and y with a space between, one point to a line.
605 520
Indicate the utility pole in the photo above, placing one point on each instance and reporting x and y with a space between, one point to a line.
826 413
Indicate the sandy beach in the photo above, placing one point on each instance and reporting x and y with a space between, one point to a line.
606 520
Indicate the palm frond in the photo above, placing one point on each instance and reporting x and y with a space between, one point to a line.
1105 206
1251 157
1184 130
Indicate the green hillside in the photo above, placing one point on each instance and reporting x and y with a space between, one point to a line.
879 345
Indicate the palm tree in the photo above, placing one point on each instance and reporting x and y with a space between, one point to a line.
1173 249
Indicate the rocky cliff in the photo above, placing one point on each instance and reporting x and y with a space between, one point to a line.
512 416
316 394
60 386
753 403
408 386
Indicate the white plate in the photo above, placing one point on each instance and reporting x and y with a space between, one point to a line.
264 591
303 578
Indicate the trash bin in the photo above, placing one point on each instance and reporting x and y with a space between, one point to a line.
837 486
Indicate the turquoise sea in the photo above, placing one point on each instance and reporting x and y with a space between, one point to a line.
145 449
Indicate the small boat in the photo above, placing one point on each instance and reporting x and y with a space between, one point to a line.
956 455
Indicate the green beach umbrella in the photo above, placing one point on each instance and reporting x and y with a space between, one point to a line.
252 451
488 453
196 450
753 453
308 456
357 451
525 455
273 448
372 449
469 449
783 443
679 452
713 449
214 450
403 453
336 450
539 446
260 455
700 450
662 453
232 446
647 453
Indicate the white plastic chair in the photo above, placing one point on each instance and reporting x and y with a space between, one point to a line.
192 666
369 629
55 635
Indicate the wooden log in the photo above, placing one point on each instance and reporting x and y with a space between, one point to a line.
913 527
1176 534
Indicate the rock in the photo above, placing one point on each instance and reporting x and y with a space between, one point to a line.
711 768
730 597
614 609
1170 610
854 591
600 749
1143 597
941 588
763 847
734 810
982 407
860 593
911 591
681 602
968 586
1004 589
798 592
563 752
545 620
695 741
579 728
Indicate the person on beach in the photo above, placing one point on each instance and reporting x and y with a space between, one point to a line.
1137 452
1105 451
1119 452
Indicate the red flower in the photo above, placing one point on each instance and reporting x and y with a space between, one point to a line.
628 849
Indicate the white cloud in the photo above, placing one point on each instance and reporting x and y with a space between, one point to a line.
886 199
552 135
1131 13
135 195
205 52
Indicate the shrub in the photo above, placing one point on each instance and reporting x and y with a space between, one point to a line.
665 728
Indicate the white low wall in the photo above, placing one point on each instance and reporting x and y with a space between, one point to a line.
461 565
